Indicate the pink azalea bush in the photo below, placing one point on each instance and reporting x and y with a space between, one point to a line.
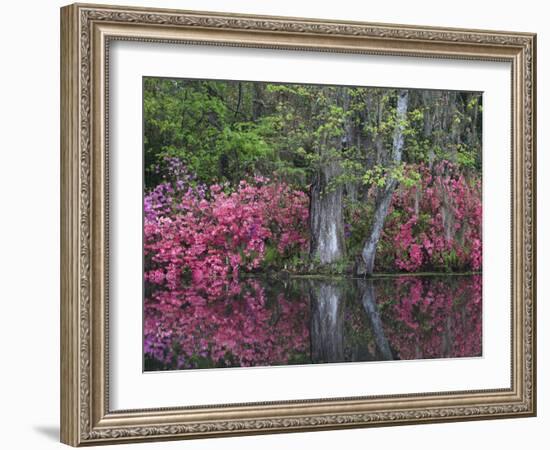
435 225
209 236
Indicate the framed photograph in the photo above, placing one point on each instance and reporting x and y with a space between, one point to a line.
274 224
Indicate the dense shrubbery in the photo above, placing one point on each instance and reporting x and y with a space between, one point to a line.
209 234
206 236
434 225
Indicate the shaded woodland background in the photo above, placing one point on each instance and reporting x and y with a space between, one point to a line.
261 177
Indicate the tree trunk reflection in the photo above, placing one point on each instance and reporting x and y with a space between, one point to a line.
368 298
327 321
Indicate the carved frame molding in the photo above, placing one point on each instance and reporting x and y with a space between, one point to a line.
86 31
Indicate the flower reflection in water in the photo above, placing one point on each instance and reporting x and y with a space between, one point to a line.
260 322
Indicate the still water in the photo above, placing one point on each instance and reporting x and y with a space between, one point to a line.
267 322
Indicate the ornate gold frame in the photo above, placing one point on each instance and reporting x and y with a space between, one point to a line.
86 31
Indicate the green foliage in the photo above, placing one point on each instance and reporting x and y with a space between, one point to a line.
378 176
228 131
450 259
206 125
218 130
358 217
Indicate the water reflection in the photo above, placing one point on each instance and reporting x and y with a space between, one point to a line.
261 322
368 298
327 321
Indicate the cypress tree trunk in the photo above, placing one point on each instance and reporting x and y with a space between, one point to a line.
384 196
326 221
257 101
326 200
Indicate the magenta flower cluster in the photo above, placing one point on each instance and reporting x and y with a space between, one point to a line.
435 225
209 237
